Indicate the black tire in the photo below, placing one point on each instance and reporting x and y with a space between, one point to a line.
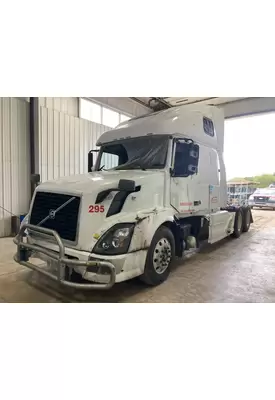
238 225
151 276
246 220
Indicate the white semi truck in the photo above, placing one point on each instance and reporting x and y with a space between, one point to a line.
157 189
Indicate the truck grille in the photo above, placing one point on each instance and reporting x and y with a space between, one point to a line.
64 221
261 199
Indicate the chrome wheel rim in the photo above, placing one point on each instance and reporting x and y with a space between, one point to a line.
162 255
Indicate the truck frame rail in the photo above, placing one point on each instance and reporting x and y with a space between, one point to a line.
24 250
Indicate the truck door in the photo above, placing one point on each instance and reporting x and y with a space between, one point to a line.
202 181
186 192
191 178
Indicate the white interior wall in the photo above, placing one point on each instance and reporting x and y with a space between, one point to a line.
67 105
123 105
65 141
70 105
14 160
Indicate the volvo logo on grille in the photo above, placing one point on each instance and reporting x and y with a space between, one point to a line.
52 214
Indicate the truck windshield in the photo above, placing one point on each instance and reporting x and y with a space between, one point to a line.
137 153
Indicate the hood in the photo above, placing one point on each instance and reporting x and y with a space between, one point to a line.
264 192
94 218
85 183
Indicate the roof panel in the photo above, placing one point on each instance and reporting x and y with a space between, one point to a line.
233 106
176 101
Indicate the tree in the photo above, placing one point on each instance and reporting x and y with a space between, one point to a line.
262 180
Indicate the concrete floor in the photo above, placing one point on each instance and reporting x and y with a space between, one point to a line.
235 270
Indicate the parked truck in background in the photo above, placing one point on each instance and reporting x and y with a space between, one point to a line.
157 189
263 198
239 191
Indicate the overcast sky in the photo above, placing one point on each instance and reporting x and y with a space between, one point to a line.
249 147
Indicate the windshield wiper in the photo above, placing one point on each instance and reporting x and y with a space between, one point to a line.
131 166
141 165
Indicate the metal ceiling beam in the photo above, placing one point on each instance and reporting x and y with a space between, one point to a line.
162 101
204 100
135 99
248 107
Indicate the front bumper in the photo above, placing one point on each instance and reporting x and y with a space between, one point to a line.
61 260
266 204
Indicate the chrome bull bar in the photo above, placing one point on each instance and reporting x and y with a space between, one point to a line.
23 254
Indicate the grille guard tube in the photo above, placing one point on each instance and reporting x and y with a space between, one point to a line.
60 257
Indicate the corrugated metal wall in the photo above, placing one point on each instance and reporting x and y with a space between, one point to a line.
64 143
14 160
67 105
122 104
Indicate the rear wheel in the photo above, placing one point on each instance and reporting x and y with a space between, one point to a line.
238 224
159 257
246 220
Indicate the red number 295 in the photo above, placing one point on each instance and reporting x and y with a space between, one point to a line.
96 209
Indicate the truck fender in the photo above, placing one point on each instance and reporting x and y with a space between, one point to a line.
146 227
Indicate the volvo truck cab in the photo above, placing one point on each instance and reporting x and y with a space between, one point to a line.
156 189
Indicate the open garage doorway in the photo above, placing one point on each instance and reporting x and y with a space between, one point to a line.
249 148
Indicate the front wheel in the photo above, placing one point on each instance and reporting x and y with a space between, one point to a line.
159 257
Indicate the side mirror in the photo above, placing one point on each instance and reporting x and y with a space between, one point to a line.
186 159
90 160
35 179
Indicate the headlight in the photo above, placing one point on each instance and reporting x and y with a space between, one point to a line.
115 241
251 198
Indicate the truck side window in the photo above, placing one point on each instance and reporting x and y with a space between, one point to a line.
186 159
109 160
112 156
208 127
